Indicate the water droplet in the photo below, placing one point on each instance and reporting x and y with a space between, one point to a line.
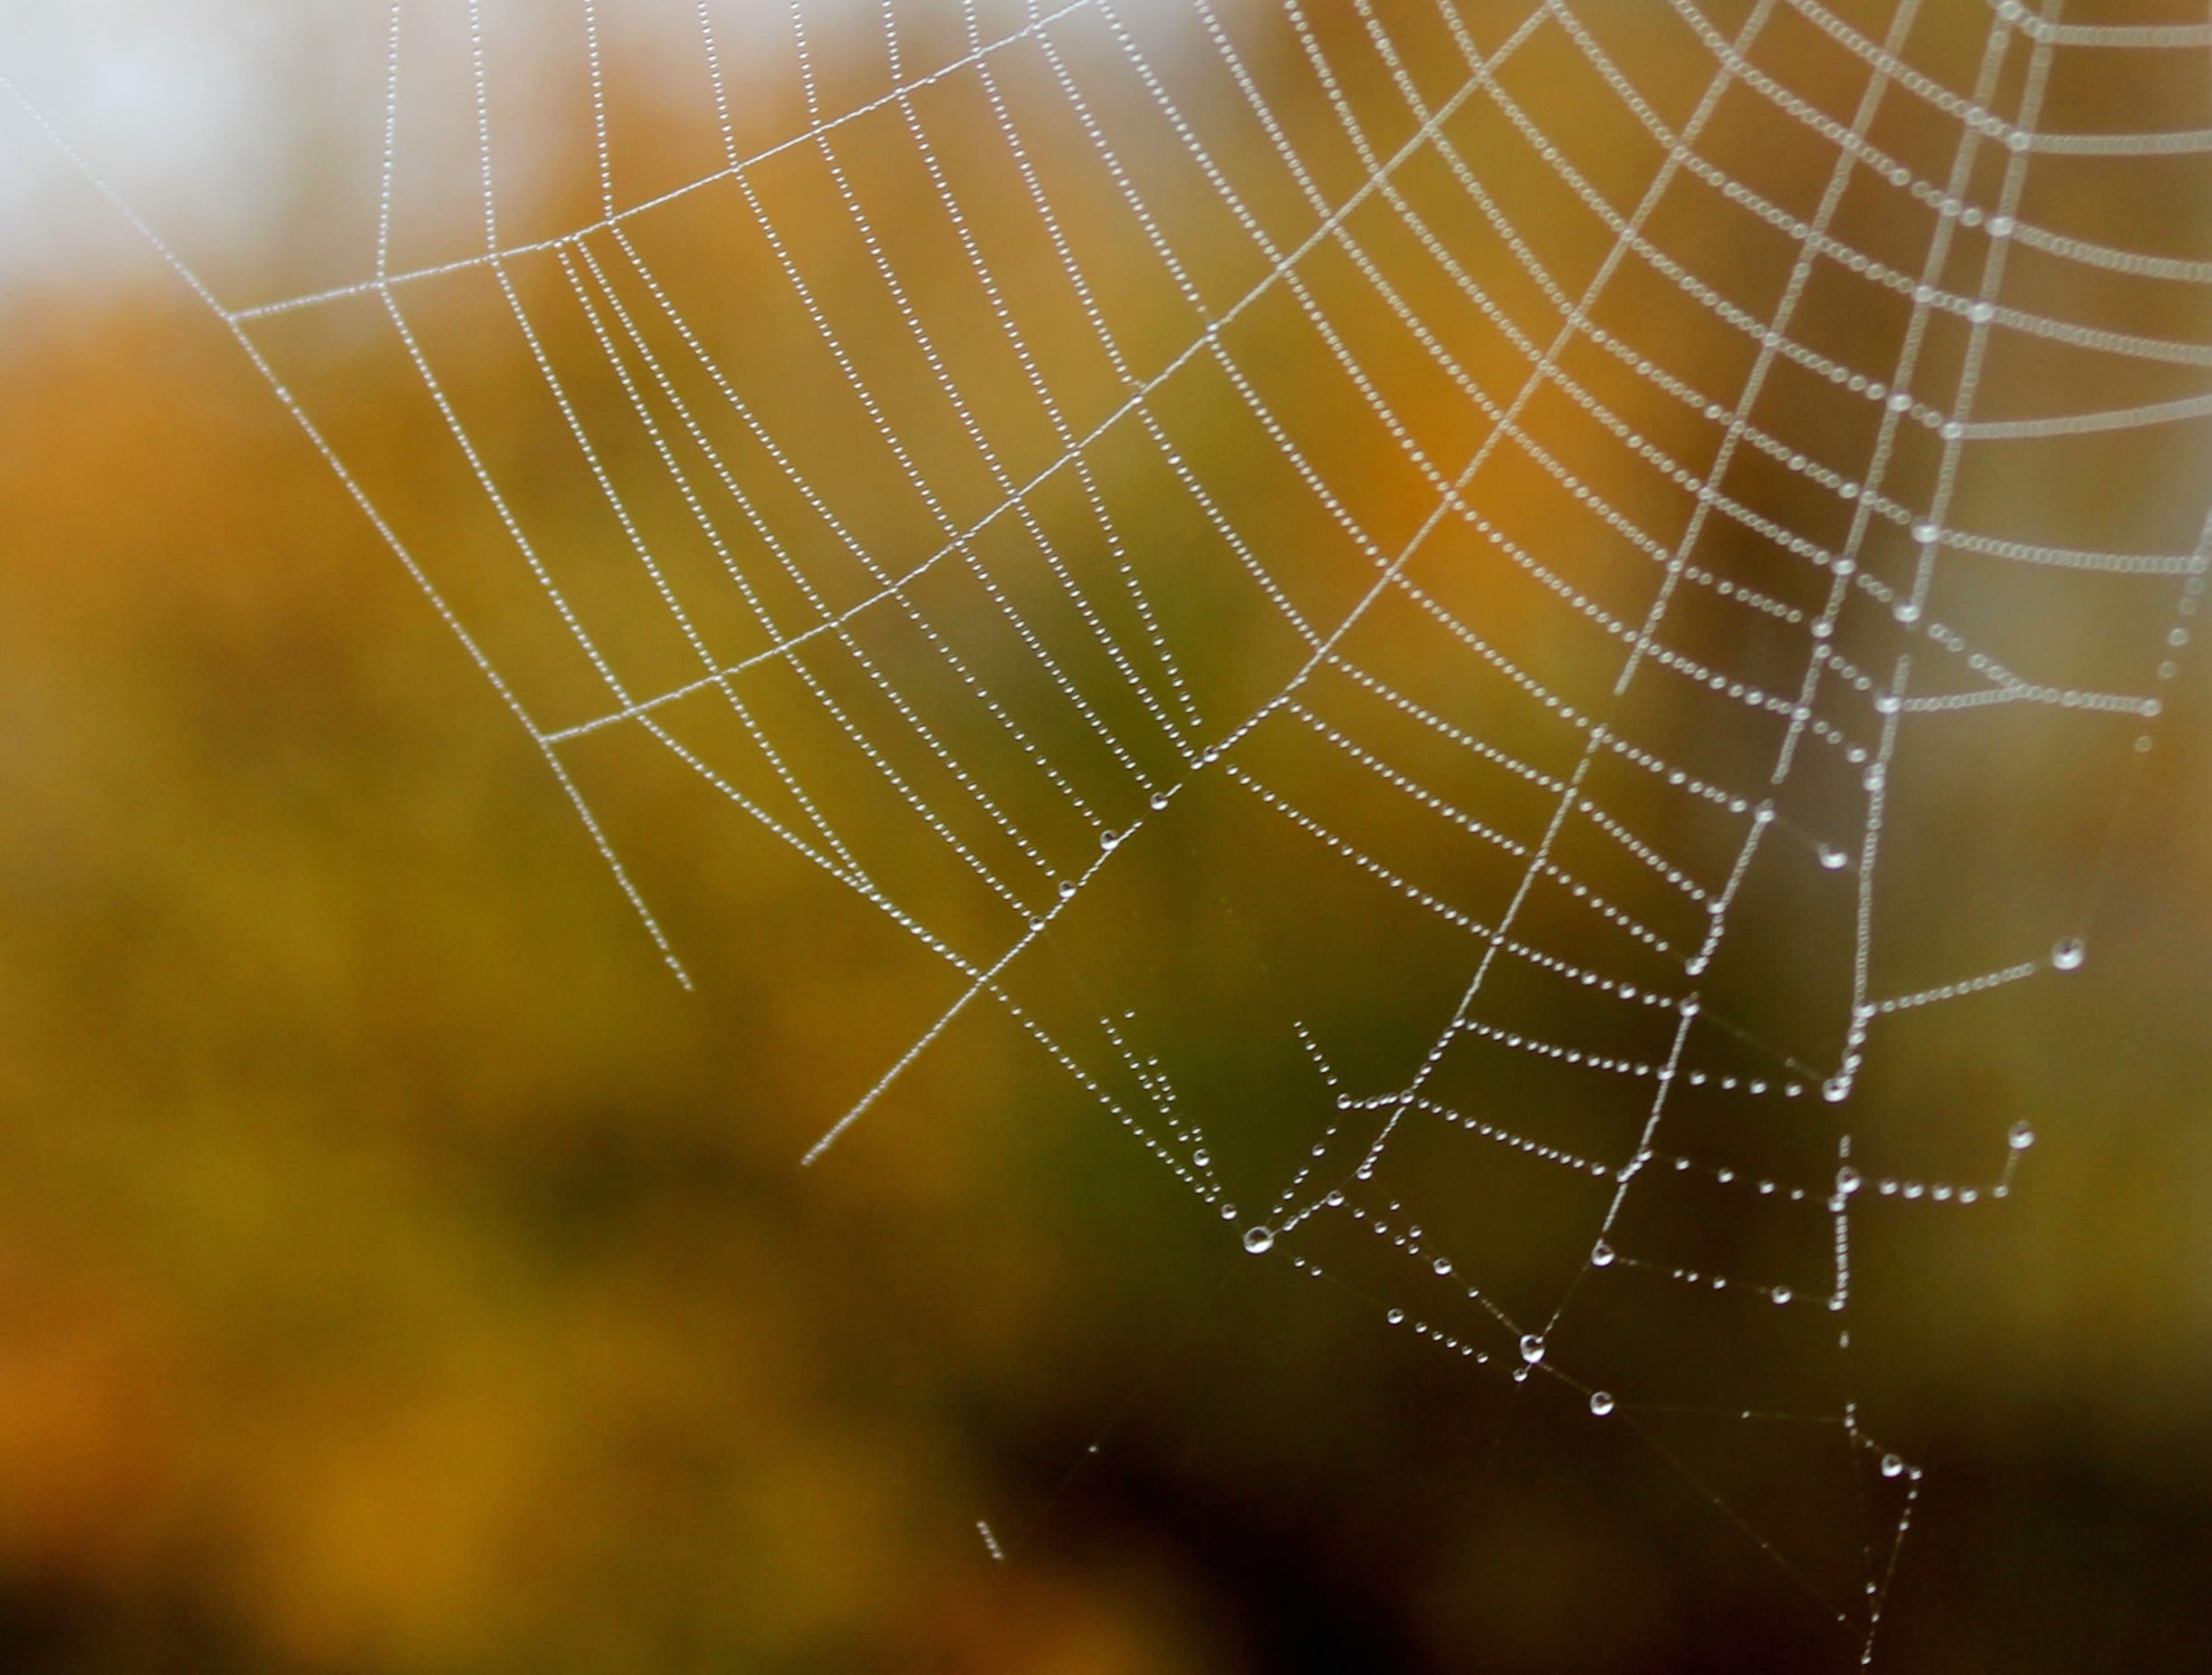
1601 1255
1260 1241
1442 1265
2068 953
1834 859
1159 799
1847 1180
1782 1294
1892 1467
2021 1137
1888 704
1202 1158
1532 1349
1601 1402
1109 841
1396 1316
1068 888
1835 1089
1520 1375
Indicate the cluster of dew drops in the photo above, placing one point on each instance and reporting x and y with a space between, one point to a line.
2066 955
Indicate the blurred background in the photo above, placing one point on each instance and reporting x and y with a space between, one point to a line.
401 1269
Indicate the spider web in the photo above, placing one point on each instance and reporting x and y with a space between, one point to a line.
1587 495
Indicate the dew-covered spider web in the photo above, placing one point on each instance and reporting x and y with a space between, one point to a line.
1596 566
